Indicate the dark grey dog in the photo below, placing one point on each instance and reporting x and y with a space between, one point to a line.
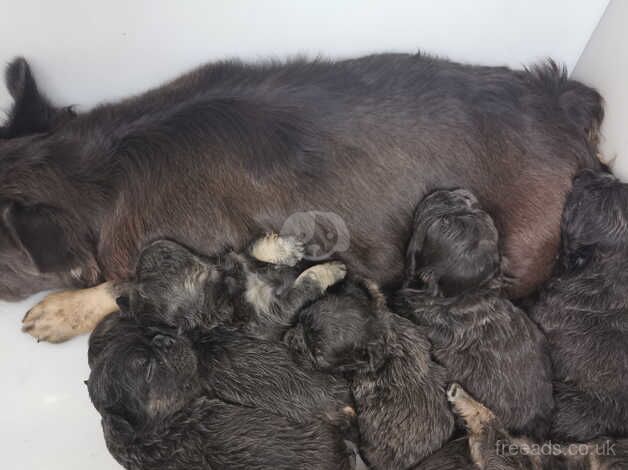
230 151
583 311
484 341
217 399
397 389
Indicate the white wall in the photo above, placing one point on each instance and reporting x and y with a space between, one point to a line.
84 52
604 64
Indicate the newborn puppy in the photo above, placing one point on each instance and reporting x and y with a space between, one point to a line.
452 289
489 446
398 391
199 401
259 290
583 311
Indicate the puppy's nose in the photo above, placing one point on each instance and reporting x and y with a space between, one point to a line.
163 341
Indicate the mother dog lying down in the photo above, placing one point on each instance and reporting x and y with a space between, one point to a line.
231 150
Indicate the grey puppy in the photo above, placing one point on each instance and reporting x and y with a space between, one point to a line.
453 289
583 311
258 290
397 389
216 399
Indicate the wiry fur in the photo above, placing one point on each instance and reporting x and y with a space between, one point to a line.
197 402
484 341
230 150
397 389
583 311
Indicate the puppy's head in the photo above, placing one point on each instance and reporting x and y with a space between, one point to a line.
595 218
342 332
454 246
175 286
140 375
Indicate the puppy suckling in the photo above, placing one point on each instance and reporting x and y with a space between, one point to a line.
583 311
453 291
200 401
397 389
258 290
489 446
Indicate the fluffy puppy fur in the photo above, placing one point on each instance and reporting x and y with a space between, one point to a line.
453 290
583 311
258 290
397 389
489 446
170 401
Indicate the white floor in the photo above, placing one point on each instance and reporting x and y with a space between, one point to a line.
47 421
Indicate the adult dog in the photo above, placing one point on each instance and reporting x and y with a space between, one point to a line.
231 150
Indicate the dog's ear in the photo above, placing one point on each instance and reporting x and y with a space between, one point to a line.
31 112
38 230
116 425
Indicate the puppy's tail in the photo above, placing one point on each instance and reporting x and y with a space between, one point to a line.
582 106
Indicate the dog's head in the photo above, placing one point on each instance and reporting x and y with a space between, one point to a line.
40 240
595 219
140 374
454 246
342 332
177 287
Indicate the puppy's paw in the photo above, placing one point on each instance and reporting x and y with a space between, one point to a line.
275 249
454 392
64 315
325 275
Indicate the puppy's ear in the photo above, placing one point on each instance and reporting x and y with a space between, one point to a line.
31 112
38 230
117 425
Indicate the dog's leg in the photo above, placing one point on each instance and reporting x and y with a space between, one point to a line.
274 249
310 285
66 314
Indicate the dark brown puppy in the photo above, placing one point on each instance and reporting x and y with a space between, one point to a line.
398 390
487 344
215 399
583 311
231 151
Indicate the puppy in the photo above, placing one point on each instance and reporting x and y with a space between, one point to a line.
583 311
488 345
398 391
199 401
489 446
258 290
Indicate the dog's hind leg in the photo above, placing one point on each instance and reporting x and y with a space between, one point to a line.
66 314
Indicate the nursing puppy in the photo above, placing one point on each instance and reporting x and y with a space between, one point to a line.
258 290
397 389
210 400
453 290
583 311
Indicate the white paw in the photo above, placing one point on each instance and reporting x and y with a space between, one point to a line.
326 274
275 249
66 314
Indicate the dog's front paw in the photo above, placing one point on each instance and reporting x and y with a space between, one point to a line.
325 275
64 315
275 249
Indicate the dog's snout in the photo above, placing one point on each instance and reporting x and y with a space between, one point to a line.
163 341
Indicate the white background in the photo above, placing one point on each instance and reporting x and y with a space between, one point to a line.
84 52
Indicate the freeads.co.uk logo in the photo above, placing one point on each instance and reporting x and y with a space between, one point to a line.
322 233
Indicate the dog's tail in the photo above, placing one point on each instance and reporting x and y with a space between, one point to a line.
582 106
